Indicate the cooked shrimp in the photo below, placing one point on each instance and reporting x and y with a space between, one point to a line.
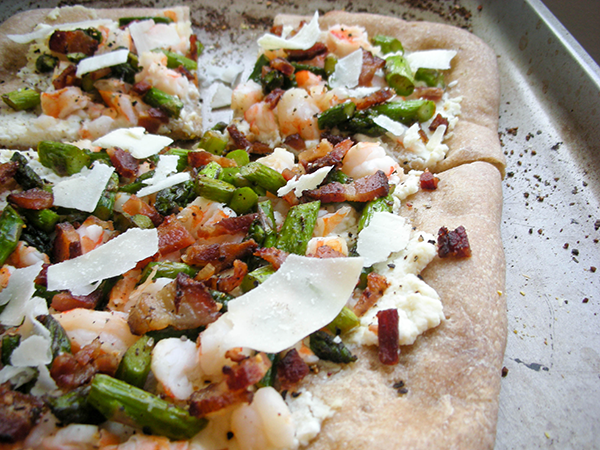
203 212
245 95
92 235
73 437
120 294
306 79
156 72
263 122
64 102
84 325
143 442
327 222
176 366
297 114
366 158
25 256
335 242
4 276
343 40
122 104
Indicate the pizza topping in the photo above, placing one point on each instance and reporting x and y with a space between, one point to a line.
302 40
76 41
18 414
125 164
347 71
362 190
428 181
431 59
453 243
387 332
35 199
376 286
94 63
291 369
83 190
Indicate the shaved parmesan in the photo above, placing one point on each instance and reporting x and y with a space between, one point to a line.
32 351
304 182
101 61
147 35
17 293
83 190
347 71
167 164
303 40
396 128
135 141
385 234
17 376
44 30
430 59
304 295
83 274
222 97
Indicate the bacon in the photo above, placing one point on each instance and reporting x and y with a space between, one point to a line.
438 121
322 149
186 73
193 52
152 119
173 236
333 139
272 255
370 65
200 158
65 301
35 199
362 190
388 336
67 244
141 87
214 398
295 141
72 41
282 65
376 98
423 136
299 55
325 251
241 141
193 299
220 256
66 78
260 148
333 158
272 99
247 373
428 181
453 243
18 414
291 369
428 93
229 283
277 30
376 286
228 226
124 162
8 171
136 205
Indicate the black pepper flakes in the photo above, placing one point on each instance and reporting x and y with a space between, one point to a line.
575 252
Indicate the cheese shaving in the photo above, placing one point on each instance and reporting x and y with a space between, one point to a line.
385 234
222 97
83 190
17 293
303 40
147 35
167 164
304 182
396 128
101 61
430 59
347 71
135 141
44 30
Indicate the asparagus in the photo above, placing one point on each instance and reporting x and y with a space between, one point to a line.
183 157
64 159
314 69
266 217
233 176
243 200
381 204
174 60
135 364
216 190
26 176
431 77
38 239
167 269
211 170
46 63
271 375
398 75
124 21
263 176
406 111
240 156
22 99
213 141
60 341
73 407
330 63
121 402
337 175
323 345
44 220
256 74
221 297
171 105
132 188
171 332
345 321
256 277
335 115
11 227
9 343
298 228
387 44
127 70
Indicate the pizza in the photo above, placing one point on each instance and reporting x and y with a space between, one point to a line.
324 271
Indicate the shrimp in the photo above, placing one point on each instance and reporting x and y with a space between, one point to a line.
264 424
72 437
337 243
84 325
297 114
263 122
156 73
93 232
143 442
4 276
245 95
119 299
25 256
328 222
343 40
64 102
203 212
175 364
306 79
122 104
366 158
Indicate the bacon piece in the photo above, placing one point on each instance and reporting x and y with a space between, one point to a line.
299 55
173 236
423 136
241 141
193 52
229 283
370 65
141 87
277 30
376 286
388 336
214 398
186 73
272 255
362 190
428 93
260 148
136 205
333 139
322 149
65 301
220 256
325 251
273 97
152 119
291 369
18 414
282 65
124 162
438 121
72 41
200 158
193 300
295 141
66 78
428 181
453 243
376 98
247 373
228 226
8 171
67 244
36 199
333 158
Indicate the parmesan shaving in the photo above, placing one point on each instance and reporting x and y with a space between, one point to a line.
135 141
303 40
44 30
430 59
222 97
304 182
396 128
83 190
17 293
385 234
147 35
167 164
347 71
101 61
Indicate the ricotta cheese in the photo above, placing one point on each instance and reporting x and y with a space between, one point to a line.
308 412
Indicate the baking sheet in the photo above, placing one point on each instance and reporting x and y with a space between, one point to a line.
551 228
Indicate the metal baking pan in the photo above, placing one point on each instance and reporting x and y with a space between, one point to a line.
549 119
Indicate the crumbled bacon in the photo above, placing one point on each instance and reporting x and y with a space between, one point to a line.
299 55
453 243
220 256
272 255
362 190
239 139
230 282
333 139
260 148
427 93
124 162
152 119
216 397
35 199
193 299
291 369
438 121
333 158
388 336
277 30
186 73
428 181
66 78
65 301
67 243
8 171
423 136
136 205
200 158
376 286
193 52
322 149
376 98
173 236
325 251
282 65
370 65
228 226
247 373
18 414
272 99
295 141
141 87
72 41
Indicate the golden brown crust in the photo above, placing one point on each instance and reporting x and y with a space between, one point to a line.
452 372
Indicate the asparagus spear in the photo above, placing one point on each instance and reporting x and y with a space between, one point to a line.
167 269
257 71
323 345
46 63
135 364
121 402
266 217
431 77
9 343
335 115
240 156
406 111
174 60
73 407
213 142
345 321
388 44
256 277
216 190
263 176
171 105
398 75
26 176
298 228
11 227
243 200
60 341
64 159
22 99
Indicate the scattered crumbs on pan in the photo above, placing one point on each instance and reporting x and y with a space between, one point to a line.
504 372
512 131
